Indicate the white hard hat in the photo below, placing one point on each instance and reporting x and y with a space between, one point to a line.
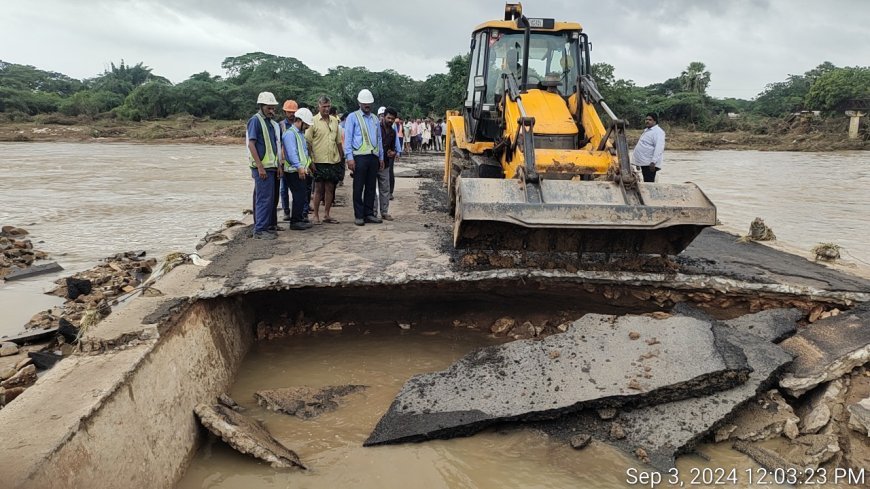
365 97
305 115
382 110
266 98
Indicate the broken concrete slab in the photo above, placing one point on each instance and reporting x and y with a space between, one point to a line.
809 450
816 411
859 416
305 402
827 350
764 418
246 435
667 430
772 324
597 366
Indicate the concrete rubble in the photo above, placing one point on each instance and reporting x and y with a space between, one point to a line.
859 416
305 402
815 412
17 255
765 417
827 349
666 430
246 435
597 366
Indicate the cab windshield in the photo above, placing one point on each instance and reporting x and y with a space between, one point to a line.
551 55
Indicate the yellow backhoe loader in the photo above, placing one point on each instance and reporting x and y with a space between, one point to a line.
529 164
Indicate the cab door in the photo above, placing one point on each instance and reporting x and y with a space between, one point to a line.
476 91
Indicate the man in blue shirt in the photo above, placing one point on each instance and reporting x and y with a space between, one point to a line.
298 167
265 160
364 152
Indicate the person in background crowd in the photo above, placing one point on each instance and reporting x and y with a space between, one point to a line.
264 154
426 135
436 136
324 137
392 150
365 157
407 131
415 135
400 132
650 149
443 125
298 165
290 107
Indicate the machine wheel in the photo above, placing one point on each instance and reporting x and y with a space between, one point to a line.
455 154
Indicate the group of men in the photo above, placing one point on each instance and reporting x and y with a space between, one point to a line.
422 134
305 155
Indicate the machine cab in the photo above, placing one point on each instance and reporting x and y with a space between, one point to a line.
542 55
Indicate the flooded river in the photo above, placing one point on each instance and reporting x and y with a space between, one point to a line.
85 201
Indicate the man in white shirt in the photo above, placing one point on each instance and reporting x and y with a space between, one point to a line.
650 149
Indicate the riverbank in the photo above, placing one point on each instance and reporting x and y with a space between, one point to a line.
828 136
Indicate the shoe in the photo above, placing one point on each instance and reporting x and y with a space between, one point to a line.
391 197
373 219
300 226
265 235
275 229
286 217
359 222
387 217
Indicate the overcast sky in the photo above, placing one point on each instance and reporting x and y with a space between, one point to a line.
745 44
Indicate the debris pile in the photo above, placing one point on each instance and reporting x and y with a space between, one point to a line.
17 254
805 402
91 294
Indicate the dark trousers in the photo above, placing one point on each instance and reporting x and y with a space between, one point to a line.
298 190
265 212
392 176
285 196
365 180
649 175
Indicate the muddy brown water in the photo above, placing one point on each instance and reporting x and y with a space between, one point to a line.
383 358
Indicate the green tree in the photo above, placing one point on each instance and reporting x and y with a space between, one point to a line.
833 90
695 78
123 78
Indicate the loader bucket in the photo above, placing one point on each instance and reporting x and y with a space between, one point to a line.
579 216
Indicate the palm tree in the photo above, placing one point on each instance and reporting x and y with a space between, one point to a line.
694 78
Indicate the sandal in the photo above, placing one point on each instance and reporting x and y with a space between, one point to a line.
317 222
330 220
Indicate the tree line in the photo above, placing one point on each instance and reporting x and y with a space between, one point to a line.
134 92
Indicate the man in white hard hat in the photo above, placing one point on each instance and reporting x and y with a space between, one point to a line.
364 152
381 111
298 167
266 159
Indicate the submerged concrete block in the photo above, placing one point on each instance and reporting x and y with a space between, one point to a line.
246 435
827 349
305 402
663 431
597 365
